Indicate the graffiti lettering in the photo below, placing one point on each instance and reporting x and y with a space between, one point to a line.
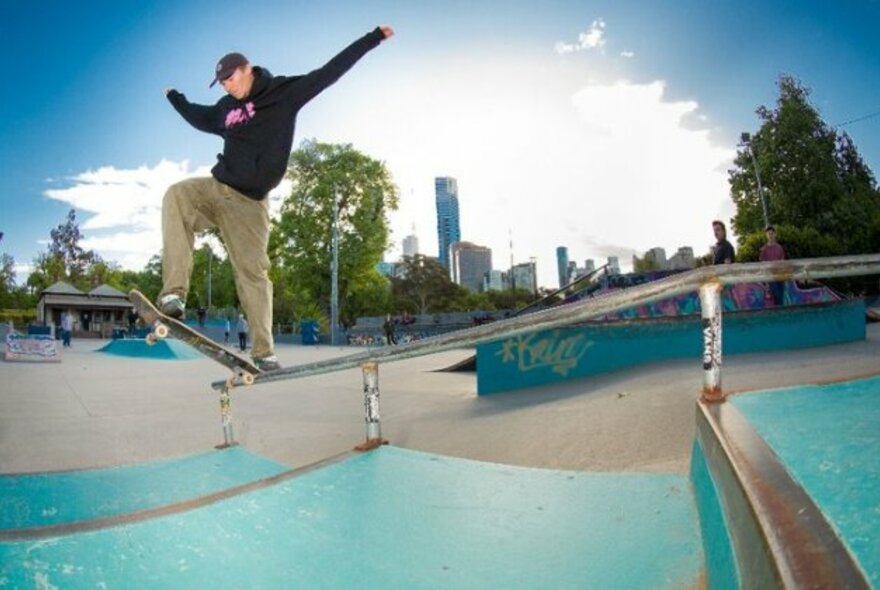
711 343
30 348
559 353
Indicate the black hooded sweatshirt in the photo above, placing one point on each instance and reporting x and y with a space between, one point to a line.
257 131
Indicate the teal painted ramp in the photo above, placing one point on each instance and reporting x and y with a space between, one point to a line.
828 437
63 498
396 519
166 349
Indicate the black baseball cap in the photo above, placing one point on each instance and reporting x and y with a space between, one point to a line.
227 66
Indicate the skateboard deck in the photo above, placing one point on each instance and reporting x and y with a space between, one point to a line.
161 326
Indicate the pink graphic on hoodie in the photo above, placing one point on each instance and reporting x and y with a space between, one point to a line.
241 115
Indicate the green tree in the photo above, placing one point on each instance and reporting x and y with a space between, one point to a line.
222 281
300 243
65 246
645 264
814 179
422 285
48 269
7 281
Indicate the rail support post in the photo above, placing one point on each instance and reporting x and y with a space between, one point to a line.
226 419
710 306
371 408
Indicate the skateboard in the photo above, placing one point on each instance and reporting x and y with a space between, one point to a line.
161 326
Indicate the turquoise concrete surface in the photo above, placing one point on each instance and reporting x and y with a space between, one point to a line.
558 355
167 349
721 568
828 437
393 518
35 500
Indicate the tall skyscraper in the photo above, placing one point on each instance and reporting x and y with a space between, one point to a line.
448 227
469 264
410 245
562 265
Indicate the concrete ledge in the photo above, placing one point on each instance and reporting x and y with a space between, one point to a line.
780 538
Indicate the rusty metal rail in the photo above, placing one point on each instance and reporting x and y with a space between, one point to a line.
707 281
810 268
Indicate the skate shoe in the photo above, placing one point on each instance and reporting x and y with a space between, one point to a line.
269 363
172 306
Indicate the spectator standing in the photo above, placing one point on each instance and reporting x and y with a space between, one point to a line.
772 251
66 328
388 327
242 329
723 252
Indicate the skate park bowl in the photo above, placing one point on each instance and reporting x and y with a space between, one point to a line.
163 349
781 493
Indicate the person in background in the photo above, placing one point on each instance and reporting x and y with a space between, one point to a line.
723 252
388 327
226 329
242 329
771 251
66 328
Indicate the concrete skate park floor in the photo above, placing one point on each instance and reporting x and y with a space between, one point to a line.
95 410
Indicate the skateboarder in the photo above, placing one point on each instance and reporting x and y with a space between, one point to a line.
256 120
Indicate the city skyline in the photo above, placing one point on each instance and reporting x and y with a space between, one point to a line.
608 127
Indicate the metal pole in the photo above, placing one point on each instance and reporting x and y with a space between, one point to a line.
371 407
747 142
710 310
334 273
226 419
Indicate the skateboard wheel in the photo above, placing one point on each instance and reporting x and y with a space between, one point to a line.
161 331
247 378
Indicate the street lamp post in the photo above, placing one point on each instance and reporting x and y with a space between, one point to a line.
210 258
334 272
746 141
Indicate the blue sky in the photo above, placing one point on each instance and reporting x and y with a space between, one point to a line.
538 126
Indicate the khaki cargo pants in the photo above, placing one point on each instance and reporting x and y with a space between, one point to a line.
197 204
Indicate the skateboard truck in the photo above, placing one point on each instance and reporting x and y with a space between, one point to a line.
159 332
239 377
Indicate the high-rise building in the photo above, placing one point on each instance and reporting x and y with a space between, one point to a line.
469 263
495 280
656 258
613 265
589 265
683 259
410 245
448 227
525 276
562 265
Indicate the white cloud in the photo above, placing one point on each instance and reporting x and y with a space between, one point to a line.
592 38
627 54
604 167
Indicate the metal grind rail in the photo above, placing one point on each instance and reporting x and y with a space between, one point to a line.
708 281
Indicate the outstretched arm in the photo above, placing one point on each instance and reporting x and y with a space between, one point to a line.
310 85
203 118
